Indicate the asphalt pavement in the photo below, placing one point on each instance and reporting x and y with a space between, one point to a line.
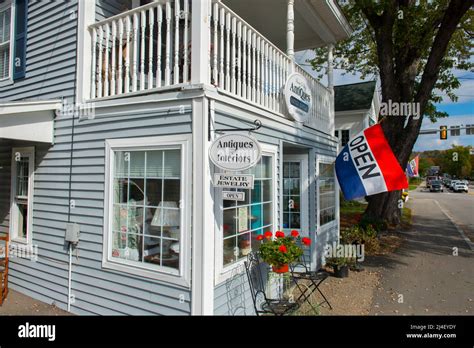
433 271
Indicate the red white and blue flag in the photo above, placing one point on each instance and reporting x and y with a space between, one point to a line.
367 166
412 167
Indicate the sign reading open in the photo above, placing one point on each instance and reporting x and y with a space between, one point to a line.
235 152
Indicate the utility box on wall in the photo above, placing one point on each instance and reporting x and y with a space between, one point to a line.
72 233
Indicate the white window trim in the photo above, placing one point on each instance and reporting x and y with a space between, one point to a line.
335 222
9 3
150 143
222 273
30 151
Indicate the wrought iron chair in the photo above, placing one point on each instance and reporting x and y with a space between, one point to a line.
300 272
3 269
263 304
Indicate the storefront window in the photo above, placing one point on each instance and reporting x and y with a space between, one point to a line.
327 193
146 224
244 220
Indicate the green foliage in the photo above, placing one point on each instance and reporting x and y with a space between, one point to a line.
358 234
415 26
270 251
457 161
340 261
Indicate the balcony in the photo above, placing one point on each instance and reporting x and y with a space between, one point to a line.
149 49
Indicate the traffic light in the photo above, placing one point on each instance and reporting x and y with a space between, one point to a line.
443 132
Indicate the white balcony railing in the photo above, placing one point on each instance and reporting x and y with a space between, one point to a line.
149 47
141 49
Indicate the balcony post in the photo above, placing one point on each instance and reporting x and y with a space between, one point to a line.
200 39
331 87
290 32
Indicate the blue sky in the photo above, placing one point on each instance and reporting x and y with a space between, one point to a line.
460 113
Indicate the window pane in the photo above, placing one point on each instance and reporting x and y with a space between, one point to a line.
146 215
250 216
4 61
22 219
327 194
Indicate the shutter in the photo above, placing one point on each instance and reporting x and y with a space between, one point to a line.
19 58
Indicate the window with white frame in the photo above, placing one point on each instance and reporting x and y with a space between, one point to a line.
22 194
344 137
455 131
470 129
147 186
5 38
327 193
244 220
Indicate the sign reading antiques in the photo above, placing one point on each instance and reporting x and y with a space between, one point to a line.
298 97
233 181
233 196
235 152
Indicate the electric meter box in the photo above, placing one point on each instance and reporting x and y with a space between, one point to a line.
72 233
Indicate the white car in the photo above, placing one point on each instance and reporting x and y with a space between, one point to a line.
460 187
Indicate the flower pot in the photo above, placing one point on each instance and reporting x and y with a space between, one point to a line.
341 271
280 269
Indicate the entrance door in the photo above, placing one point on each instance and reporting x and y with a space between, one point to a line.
295 194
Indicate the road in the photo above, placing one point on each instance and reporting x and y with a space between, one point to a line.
433 270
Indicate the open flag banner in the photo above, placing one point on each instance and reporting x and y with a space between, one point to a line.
367 165
412 168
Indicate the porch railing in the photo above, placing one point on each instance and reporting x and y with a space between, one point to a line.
246 64
141 49
149 47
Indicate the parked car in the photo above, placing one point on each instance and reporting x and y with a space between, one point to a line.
435 186
460 186
452 183
429 179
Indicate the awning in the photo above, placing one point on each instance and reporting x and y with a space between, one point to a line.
28 120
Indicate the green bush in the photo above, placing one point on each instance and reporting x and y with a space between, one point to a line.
361 235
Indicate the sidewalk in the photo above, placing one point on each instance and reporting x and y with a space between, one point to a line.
19 304
423 276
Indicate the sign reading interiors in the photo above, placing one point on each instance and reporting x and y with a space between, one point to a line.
233 153
298 97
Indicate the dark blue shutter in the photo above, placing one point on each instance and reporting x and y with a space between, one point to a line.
19 57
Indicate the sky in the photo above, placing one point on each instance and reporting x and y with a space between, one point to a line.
460 113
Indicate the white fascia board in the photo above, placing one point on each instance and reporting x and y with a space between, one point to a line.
37 126
29 106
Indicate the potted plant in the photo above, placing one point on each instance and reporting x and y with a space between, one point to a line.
281 250
340 265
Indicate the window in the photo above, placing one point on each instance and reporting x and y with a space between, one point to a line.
244 220
455 131
470 129
21 194
344 137
327 193
336 133
147 205
5 36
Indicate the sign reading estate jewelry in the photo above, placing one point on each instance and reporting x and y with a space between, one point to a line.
235 152
233 181
298 97
233 196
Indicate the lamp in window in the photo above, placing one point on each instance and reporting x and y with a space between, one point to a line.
167 216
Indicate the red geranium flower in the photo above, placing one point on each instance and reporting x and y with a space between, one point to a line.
279 234
295 233
260 237
268 235
282 248
306 241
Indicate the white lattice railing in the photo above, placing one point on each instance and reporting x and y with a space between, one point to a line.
321 110
141 49
149 47
244 62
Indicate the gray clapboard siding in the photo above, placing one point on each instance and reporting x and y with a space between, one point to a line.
107 8
50 53
97 291
232 297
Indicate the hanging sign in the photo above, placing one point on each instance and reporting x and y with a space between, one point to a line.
233 181
235 152
298 97
233 196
